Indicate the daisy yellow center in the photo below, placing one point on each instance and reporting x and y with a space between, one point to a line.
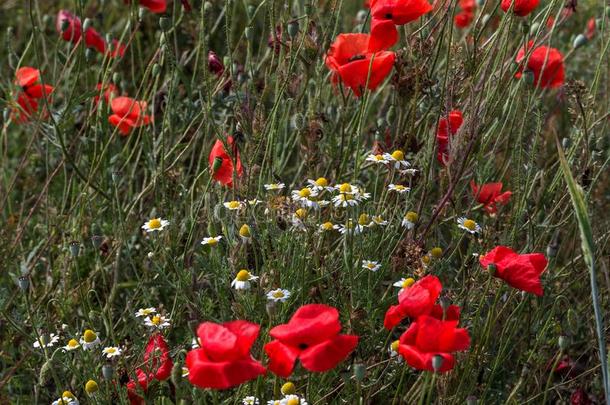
91 387
378 218
363 219
470 224
436 252
112 350
292 401
304 192
288 388
322 182
411 216
399 187
378 157
394 345
425 259
243 275
154 223
408 282
67 394
345 188
327 226
398 155
370 265
346 197
155 320
233 204
244 231
72 343
89 336
301 213
212 242
278 294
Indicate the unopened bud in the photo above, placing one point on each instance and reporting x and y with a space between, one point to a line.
91 387
89 55
293 28
74 248
566 143
116 78
107 371
528 76
176 373
97 240
359 372
86 24
437 362
534 28
165 23
563 342
249 33
24 283
288 389
491 268
579 41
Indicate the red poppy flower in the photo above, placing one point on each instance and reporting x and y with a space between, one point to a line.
428 337
128 114
110 90
590 31
157 365
490 195
545 63
399 11
466 14
447 127
223 172
156 6
452 313
312 336
521 7
224 360
28 79
521 271
414 301
352 56
70 28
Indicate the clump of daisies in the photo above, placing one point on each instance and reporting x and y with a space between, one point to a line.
67 398
349 195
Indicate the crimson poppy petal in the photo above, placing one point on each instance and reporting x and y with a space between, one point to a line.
27 76
123 124
38 90
326 355
383 35
218 341
281 358
205 373
310 324
245 332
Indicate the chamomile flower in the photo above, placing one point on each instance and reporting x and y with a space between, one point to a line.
350 227
344 200
111 352
71 345
313 202
303 195
250 400
371 265
67 398
393 350
90 340
242 280
319 185
404 283
377 158
293 400
327 226
244 233
155 224
274 186
410 219
233 205
46 341
298 219
157 322
254 202
378 220
195 343
274 402
468 225
408 172
211 240
278 295
398 159
399 188
143 312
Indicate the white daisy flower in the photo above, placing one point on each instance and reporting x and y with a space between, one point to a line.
378 158
293 400
233 205
254 202
305 193
404 283
319 185
143 312
67 398
274 402
371 265
344 200
244 233
393 350
399 188
327 226
468 225
350 227
71 345
211 240
46 341
157 322
112 351
274 186
378 220
155 224
298 217
398 158
90 340
278 295
408 172
185 372
242 280
410 219
195 343
250 400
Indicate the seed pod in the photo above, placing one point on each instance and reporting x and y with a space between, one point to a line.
116 78
165 23
86 24
107 371
528 77
288 389
97 240
359 372
249 33
579 41
534 28
437 362
24 283
563 342
293 28
74 248
566 143
89 55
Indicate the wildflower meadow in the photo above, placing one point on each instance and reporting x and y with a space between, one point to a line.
296 202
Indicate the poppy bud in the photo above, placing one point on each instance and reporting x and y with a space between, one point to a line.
298 121
65 24
293 28
534 28
361 16
288 389
156 69
271 308
141 13
96 240
480 3
108 38
86 24
116 78
47 20
45 370
89 55
250 10
437 362
207 7
391 115
563 342
491 268
566 143
471 400
74 248
525 26
528 77
553 247
6 114
579 41
165 23
215 65
249 33
107 371
359 372
24 283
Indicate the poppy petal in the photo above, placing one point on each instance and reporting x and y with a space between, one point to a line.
328 354
281 358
